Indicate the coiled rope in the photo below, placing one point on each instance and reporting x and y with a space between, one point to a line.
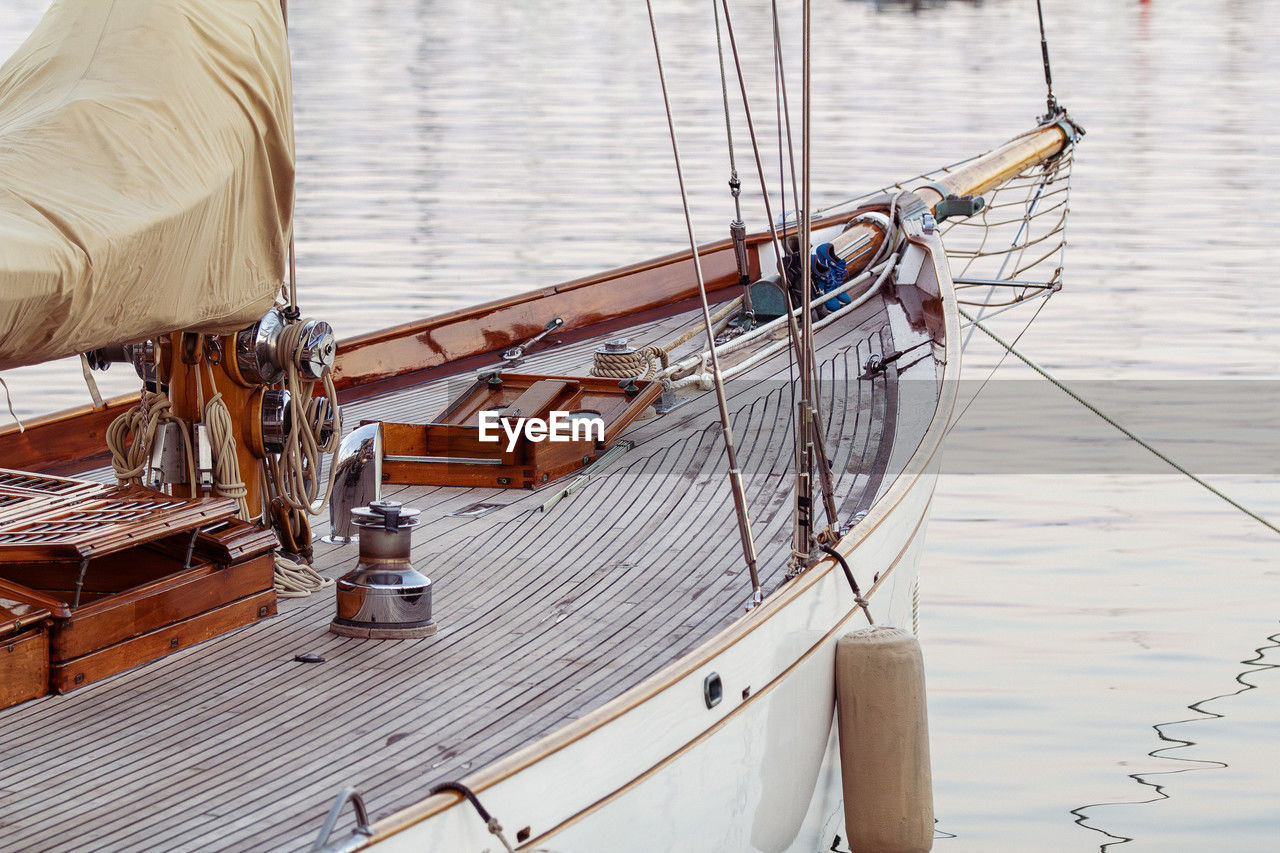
296 579
227 479
131 435
295 476
649 361
644 363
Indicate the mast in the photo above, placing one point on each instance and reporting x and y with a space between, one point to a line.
808 432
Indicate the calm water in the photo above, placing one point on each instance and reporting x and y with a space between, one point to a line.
1101 646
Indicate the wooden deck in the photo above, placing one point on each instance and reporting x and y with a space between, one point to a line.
232 745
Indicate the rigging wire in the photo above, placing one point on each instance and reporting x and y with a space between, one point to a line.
803 544
1000 362
784 116
737 227
1050 100
293 311
782 110
734 183
735 474
1109 420
776 242
808 418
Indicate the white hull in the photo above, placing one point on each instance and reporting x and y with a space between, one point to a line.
760 773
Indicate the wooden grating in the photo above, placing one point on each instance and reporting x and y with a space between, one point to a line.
23 492
101 523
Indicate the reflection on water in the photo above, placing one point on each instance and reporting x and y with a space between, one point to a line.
454 151
1174 733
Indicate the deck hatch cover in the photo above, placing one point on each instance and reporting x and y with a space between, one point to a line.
102 523
22 492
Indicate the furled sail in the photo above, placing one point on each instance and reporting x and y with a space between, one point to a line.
146 173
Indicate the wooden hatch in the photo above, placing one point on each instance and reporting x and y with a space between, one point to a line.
22 492
96 524
452 451
125 575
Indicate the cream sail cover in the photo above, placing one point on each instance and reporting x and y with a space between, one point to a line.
146 173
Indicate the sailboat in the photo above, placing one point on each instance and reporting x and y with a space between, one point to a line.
540 638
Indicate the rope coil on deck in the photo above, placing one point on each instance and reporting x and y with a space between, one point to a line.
296 579
650 361
644 363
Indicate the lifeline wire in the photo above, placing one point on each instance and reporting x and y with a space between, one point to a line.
1153 451
735 475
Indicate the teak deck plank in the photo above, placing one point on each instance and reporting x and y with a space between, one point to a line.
233 745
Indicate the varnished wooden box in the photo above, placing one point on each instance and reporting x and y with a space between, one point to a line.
449 451
129 575
24 651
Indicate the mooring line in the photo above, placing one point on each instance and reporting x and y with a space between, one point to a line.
1128 433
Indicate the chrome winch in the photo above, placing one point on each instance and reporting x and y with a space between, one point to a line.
384 597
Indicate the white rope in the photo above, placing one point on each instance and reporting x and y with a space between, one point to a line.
131 435
295 579
227 480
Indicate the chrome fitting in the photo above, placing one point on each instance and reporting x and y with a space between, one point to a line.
356 482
